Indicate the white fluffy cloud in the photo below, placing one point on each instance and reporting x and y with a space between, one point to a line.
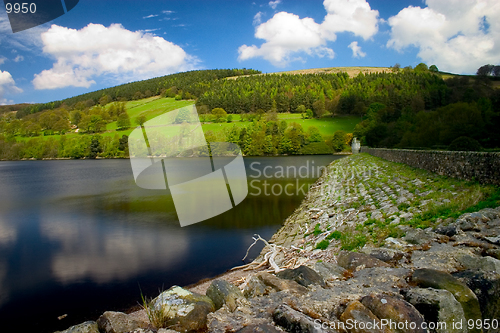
7 85
354 16
286 34
356 50
96 50
455 35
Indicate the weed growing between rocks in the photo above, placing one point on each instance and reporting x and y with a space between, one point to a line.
157 316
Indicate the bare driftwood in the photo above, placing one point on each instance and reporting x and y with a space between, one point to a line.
294 256
269 256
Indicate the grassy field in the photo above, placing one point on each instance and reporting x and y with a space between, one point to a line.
150 107
326 126
155 106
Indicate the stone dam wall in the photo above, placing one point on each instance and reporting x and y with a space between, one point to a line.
479 166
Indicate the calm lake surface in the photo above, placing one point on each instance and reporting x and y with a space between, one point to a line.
79 237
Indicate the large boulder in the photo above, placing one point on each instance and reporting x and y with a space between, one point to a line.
382 278
443 257
419 236
183 310
400 314
254 287
485 264
329 271
119 322
385 254
256 312
295 321
442 280
357 261
438 306
358 313
86 327
222 292
281 284
303 275
486 286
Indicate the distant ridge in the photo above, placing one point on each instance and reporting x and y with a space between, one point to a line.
351 71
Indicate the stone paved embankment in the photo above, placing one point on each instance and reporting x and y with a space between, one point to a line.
374 242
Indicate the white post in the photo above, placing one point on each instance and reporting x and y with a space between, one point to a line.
355 146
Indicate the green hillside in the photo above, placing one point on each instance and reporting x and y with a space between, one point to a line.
327 125
299 112
150 108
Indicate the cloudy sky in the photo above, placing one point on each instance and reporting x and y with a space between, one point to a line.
101 43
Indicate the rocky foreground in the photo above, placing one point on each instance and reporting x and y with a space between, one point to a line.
373 248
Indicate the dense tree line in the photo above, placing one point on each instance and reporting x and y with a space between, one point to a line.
278 92
10 108
262 136
188 84
463 115
327 93
60 120
268 136
85 146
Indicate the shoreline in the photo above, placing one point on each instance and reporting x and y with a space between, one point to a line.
362 222
127 158
295 228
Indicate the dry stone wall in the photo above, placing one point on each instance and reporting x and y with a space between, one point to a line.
483 167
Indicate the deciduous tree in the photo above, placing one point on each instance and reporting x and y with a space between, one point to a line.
123 121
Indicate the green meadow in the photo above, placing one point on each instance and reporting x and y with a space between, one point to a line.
327 125
155 106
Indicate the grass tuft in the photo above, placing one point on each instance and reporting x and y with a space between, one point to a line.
334 235
351 242
157 317
316 231
323 244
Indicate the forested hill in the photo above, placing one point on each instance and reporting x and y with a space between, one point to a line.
192 82
401 108
397 108
338 93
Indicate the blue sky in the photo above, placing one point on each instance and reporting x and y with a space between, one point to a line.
100 44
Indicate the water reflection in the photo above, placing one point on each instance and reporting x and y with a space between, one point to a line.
104 254
79 237
8 233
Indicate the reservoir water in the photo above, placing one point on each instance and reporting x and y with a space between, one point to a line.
79 237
